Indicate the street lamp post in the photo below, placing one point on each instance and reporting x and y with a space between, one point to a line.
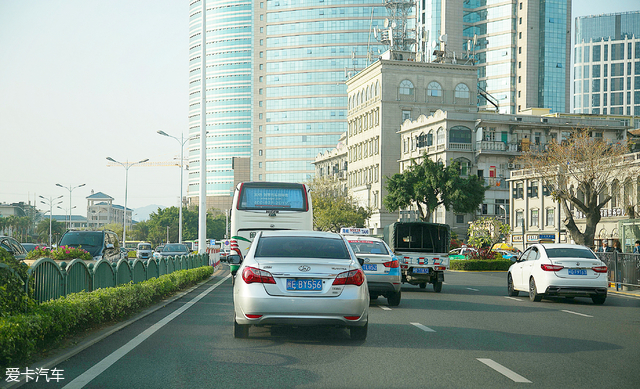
50 202
182 142
70 189
126 166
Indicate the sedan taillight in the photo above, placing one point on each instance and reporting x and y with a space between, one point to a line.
546 267
600 269
352 277
251 275
392 264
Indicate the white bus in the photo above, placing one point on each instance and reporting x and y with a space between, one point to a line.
259 206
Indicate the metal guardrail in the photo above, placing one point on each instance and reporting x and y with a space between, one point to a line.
53 281
624 268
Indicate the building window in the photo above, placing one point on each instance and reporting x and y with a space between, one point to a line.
519 218
260 152
534 218
460 219
434 89
406 115
550 217
406 88
462 91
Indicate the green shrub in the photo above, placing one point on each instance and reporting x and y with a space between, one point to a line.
23 335
62 253
13 298
481 264
132 254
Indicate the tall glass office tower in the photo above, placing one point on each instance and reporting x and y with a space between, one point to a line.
606 68
275 83
228 94
521 47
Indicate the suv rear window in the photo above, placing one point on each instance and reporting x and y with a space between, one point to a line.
92 241
368 247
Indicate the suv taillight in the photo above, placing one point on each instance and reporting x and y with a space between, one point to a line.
392 264
600 269
352 277
251 275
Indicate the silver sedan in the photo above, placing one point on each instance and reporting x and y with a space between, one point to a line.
300 278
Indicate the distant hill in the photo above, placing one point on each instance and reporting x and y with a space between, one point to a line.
142 214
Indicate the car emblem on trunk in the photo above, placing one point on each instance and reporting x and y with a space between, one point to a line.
577 263
304 268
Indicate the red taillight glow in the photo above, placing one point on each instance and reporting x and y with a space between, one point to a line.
352 317
546 267
600 269
393 264
441 268
251 275
352 277
253 316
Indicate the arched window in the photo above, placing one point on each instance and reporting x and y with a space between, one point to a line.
440 136
377 92
460 134
434 89
430 138
465 166
615 189
462 91
406 88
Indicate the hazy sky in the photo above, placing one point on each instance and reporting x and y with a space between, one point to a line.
81 80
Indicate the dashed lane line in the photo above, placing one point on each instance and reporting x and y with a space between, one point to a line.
512 298
515 377
384 308
576 313
86 377
475 290
423 328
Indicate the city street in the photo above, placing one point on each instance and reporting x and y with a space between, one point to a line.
471 335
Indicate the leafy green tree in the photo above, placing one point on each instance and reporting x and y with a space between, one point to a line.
333 207
487 231
42 230
115 227
428 184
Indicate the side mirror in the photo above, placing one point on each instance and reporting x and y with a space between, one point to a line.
234 259
360 261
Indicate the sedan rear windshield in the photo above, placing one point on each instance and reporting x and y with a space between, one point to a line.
368 247
570 253
302 247
175 247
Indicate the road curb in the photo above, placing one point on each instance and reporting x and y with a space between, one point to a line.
52 362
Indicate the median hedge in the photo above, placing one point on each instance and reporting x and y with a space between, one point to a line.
480 264
23 335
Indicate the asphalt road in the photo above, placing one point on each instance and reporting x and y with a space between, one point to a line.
471 335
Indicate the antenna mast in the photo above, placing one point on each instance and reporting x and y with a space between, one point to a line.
397 33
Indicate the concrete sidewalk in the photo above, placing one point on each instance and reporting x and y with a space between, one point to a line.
624 290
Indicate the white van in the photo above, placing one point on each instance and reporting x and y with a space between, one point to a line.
144 251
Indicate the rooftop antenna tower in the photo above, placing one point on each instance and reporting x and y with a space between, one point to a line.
398 34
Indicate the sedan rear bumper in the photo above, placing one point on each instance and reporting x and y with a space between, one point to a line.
575 291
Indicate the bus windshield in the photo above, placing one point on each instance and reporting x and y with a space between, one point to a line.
262 196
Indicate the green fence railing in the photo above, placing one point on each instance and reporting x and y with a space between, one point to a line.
52 280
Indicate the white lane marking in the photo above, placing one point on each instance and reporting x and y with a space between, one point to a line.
385 308
515 377
423 328
475 290
576 313
512 298
104 364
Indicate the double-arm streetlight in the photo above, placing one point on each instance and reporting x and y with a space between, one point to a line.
70 189
126 166
50 202
182 142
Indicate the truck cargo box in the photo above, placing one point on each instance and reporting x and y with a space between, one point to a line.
418 237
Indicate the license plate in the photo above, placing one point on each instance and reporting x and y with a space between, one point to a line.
423 270
370 267
293 284
577 272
